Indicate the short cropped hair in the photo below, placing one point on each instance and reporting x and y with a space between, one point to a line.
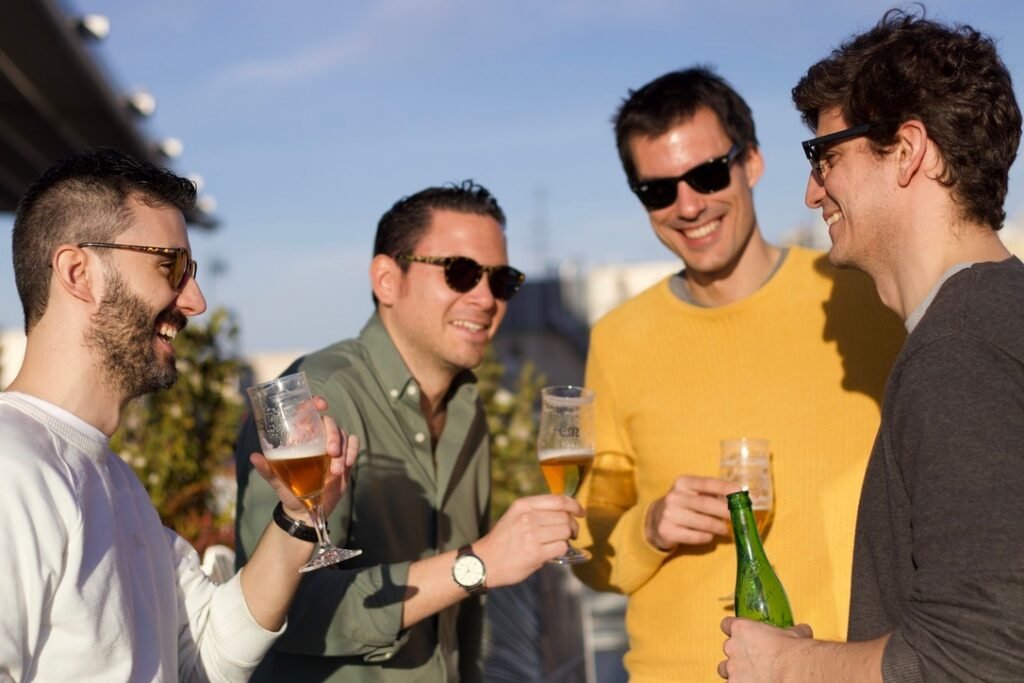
400 229
83 198
674 98
950 78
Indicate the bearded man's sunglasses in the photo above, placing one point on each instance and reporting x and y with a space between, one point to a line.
711 176
463 273
182 265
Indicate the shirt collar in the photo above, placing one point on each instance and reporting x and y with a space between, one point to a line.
391 370
915 317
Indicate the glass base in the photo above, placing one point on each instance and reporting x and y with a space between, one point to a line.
573 556
325 556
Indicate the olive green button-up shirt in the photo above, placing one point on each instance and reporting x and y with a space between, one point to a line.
407 501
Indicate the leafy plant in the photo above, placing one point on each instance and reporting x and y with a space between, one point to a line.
512 421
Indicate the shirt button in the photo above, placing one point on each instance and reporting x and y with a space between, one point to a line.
411 390
420 438
394 393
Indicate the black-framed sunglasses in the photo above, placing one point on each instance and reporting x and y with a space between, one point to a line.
815 147
711 176
182 268
463 273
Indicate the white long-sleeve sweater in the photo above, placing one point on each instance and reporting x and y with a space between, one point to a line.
92 586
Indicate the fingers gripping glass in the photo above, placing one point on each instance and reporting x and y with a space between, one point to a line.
294 443
182 268
463 273
565 446
711 176
816 147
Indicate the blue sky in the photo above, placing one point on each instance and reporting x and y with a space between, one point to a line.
308 119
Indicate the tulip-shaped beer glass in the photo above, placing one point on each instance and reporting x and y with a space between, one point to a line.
294 442
565 446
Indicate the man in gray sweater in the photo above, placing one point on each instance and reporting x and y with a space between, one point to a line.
918 126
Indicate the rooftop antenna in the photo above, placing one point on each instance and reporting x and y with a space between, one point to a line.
540 232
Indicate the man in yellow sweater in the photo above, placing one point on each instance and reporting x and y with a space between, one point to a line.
749 340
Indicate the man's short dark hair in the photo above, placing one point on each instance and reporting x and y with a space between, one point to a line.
950 78
83 198
674 98
402 226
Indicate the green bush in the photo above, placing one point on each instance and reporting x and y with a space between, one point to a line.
512 421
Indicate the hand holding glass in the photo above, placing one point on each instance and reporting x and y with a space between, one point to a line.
748 463
294 443
565 446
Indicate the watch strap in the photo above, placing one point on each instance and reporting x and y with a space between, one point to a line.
294 527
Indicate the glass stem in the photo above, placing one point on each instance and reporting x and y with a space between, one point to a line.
316 514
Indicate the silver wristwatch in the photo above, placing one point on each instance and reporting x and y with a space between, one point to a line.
469 571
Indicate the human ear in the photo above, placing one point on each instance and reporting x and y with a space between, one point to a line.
914 153
385 278
753 165
73 272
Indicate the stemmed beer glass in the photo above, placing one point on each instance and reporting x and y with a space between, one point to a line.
565 446
295 445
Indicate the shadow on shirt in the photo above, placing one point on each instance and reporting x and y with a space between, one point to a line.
868 335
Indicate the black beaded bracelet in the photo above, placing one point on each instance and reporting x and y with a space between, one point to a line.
294 527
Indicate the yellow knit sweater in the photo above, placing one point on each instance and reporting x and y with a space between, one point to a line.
801 362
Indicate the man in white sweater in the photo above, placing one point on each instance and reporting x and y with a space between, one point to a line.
94 587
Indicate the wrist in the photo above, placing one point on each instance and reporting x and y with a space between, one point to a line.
787 657
296 528
650 526
482 550
469 571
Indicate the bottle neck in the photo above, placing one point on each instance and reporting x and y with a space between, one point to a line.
748 542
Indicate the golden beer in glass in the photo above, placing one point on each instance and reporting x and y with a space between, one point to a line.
565 446
294 443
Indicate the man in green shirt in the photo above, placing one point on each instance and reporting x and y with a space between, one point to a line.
409 608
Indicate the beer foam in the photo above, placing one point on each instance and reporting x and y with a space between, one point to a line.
553 453
309 449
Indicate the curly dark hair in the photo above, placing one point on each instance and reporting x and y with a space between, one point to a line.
83 198
674 98
950 78
401 227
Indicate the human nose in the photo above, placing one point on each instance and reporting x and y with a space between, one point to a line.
191 300
690 204
814 194
481 293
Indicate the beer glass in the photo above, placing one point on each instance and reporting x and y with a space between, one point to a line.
294 442
748 463
565 446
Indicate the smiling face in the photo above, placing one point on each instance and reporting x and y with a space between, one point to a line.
139 313
710 232
852 199
439 331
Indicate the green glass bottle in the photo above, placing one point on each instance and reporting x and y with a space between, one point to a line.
759 593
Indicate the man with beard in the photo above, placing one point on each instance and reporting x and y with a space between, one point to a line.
409 608
95 588
916 127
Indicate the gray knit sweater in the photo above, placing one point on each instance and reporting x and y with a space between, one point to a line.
939 554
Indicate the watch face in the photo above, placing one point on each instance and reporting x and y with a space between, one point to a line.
468 571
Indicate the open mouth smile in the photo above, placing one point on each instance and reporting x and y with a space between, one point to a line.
702 231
